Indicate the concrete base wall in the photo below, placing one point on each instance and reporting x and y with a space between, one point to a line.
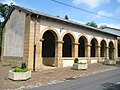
67 63
48 61
13 61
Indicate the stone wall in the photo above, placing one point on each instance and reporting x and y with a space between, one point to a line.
13 39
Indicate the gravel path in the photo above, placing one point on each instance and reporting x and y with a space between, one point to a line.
48 76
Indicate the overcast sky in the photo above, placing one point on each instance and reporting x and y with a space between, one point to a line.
110 8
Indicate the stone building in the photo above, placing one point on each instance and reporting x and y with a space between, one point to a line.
41 39
114 31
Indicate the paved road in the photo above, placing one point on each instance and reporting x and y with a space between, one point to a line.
109 80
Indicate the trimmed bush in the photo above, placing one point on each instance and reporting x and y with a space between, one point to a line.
82 63
18 69
23 66
76 60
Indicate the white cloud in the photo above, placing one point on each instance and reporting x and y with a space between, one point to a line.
90 3
118 1
103 13
118 10
9 2
113 25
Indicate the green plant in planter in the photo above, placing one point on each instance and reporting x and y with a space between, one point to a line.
76 60
82 63
20 69
23 65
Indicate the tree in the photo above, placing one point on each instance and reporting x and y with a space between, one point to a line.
4 10
93 24
0 36
102 26
66 17
118 40
58 16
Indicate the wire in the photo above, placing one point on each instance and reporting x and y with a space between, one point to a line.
84 10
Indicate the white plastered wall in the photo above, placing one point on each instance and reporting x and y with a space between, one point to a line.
62 28
14 34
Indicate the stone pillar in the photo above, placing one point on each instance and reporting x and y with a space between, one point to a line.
98 53
107 52
116 49
58 54
88 52
29 43
76 50
38 61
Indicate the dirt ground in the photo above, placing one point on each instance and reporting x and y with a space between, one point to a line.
47 76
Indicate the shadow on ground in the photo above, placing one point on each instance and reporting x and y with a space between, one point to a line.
110 86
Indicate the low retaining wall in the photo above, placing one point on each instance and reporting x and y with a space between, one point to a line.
9 60
48 61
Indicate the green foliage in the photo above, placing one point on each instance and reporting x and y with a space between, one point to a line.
119 41
23 66
0 35
18 69
66 17
14 67
82 63
102 26
76 60
58 16
93 24
4 10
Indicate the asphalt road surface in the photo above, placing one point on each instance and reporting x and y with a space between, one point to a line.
109 80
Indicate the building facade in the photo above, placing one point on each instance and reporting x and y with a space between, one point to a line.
115 32
41 39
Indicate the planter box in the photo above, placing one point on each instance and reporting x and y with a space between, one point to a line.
80 66
110 62
19 75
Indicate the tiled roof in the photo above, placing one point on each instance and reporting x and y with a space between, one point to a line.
29 11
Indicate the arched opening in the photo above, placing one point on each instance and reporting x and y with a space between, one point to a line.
48 47
94 51
111 50
67 45
103 49
82 48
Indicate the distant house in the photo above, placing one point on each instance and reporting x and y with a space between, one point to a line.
116 32
41 39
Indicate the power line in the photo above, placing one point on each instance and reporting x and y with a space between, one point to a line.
84 10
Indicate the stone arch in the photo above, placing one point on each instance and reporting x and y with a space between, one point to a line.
68 44
103 48
71 34
94 47
51 29
111 50
85 38
49 46
82 47
96 40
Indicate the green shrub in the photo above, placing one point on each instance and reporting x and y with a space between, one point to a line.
76 60
18 69
82 63
23 65
14 67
